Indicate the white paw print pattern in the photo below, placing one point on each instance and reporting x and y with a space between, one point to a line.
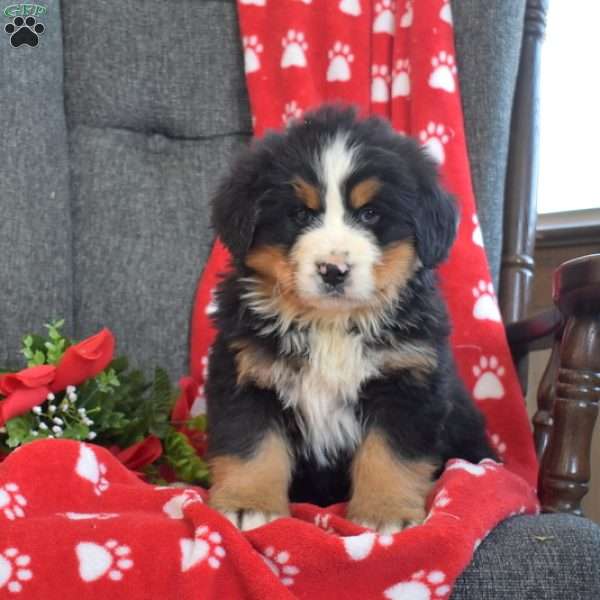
212 306
97 561
340 59
252 49
489 383
291 112
380 83
14 570
279 563
401 78
434 137
477 470
406 20
322 520
174 507
359 547
77 516
206 545
444 71
486 305
498 444
385 21
442 499
89 468
350 7
294 50
446 12
254 2
477 236
12 502
422 585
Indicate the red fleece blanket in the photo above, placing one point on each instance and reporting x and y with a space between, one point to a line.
74 523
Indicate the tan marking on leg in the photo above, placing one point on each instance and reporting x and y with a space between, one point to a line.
396 266
363 192
413 357
259 483
308 194
386 489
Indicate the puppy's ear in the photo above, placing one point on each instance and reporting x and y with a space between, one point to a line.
436 219
235 206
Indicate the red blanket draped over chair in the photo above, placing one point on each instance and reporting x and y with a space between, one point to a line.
74 523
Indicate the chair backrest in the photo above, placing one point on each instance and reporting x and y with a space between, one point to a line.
520 209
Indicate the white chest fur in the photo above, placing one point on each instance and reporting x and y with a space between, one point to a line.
325 390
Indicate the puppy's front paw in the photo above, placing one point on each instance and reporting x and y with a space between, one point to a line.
388 528
250 519
386 518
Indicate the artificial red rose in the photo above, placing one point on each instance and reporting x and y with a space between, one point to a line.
31 377
24 390
139 455
181 409
84 360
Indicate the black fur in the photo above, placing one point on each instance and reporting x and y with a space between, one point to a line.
432 418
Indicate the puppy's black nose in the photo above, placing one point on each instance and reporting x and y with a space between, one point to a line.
333 274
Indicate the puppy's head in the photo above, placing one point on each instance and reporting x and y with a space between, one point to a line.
336 213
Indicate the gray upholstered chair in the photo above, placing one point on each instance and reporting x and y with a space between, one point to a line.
114 130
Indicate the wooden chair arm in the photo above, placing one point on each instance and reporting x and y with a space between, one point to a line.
568 402
534 333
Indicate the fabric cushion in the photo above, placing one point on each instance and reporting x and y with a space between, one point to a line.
554 557
485 31
156 104
35 224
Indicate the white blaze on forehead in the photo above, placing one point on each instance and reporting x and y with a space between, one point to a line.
337 162
333 238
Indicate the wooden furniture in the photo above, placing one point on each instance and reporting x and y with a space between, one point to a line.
569 392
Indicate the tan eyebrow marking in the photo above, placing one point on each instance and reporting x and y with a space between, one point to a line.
364 191
307 193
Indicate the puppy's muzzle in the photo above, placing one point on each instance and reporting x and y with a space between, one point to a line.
333 275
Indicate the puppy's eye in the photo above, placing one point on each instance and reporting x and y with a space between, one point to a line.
303 216
368 216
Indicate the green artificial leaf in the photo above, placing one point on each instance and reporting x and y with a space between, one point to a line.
19 430
76 431
183 459
119 364
199 423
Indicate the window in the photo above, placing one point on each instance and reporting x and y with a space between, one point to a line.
570 111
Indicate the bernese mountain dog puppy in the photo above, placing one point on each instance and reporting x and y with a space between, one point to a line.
331 377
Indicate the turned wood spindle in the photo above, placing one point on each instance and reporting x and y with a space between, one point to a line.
543 420
565 472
